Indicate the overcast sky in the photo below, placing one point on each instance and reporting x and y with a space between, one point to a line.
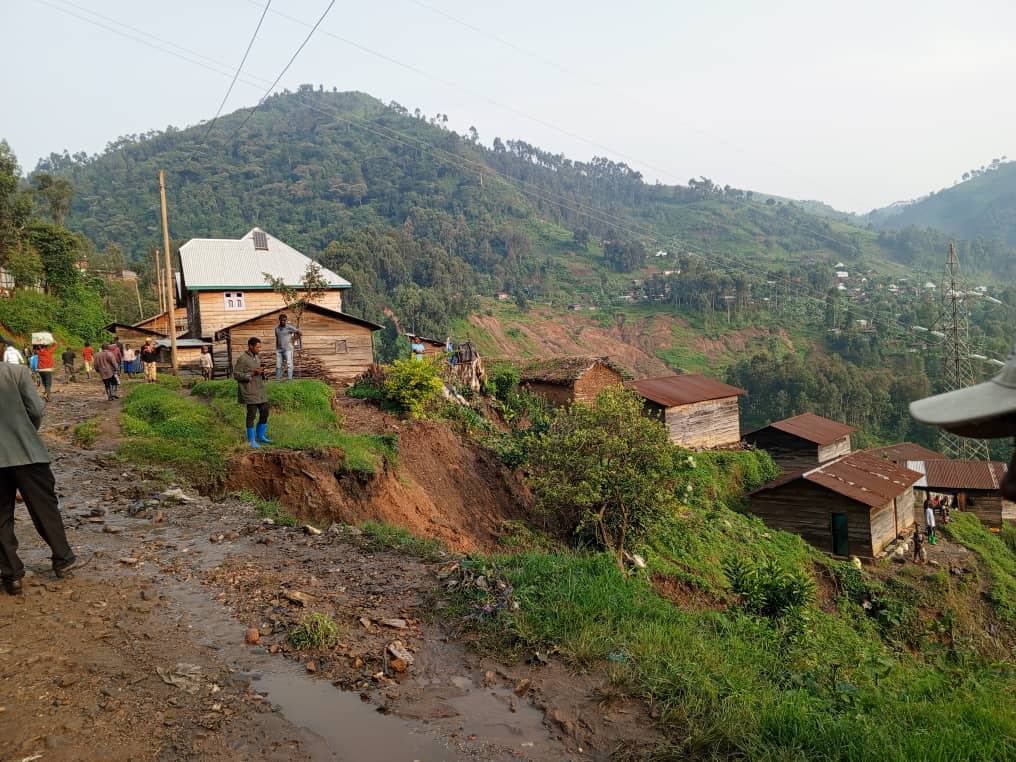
857 104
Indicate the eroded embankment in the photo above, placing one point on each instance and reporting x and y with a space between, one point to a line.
441 487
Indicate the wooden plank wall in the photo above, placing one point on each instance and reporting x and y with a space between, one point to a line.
834 450
594 381
211 307
906 504
713 423
320 336
806 509
160 324
790 453
133 337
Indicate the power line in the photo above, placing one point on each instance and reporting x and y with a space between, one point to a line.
286 68
238 70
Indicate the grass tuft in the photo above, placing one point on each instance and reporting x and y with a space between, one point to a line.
86 433
268 508
316 631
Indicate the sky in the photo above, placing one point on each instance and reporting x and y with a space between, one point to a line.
856 104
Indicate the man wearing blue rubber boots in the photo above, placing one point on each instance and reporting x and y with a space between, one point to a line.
251 391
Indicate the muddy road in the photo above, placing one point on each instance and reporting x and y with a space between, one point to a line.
172 641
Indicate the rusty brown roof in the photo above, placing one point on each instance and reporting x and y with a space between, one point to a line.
860 476
683 389
904 451
814 428
959 474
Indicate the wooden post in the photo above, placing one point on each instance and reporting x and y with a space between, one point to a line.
170 301
137 291
160 283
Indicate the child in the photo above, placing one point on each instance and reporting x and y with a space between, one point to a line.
920 552
206 363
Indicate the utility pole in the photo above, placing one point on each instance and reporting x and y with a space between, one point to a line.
170 301
137 292
160 282
959 372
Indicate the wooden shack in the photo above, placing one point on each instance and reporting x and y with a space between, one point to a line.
160 324
699 411
564 380
188 352
133 335
802 441
334 347
974 483
855 505
433 349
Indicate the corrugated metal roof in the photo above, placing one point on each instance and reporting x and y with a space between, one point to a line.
814 428
904 451
860 476
224 263
683 389
946 474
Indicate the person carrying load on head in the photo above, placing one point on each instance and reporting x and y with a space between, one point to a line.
981 411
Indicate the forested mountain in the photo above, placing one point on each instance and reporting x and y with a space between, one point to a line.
421 219
982 206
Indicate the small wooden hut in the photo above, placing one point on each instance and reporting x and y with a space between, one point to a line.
133 334
563 380
802 441
188 352
160 323
974 483
334 347
433 349
699 411
852 506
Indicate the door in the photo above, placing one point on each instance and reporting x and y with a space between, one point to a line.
841 545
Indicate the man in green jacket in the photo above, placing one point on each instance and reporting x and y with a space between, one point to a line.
24 467
251 391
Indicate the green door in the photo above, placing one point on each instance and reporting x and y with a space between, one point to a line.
841 545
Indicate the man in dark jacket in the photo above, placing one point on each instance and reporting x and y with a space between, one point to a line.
251 391
24 467
105 367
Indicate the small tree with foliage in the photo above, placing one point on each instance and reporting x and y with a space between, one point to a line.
605 470
312 287
411 384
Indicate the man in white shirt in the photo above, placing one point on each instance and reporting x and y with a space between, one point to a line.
11 354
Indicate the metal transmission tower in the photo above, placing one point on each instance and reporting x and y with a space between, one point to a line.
958 370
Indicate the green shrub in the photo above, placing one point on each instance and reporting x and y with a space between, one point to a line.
769 589
378 536
411 384
86 433
316 631
369 385
268 508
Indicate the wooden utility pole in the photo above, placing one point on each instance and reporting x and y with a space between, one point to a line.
160 282
137 291
170 301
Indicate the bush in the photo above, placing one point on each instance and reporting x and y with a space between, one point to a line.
369 385
411 384
769 589
502 379
86 433
316 631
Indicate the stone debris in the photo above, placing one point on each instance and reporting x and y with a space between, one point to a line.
398 651
395 623
252 637
186 677
311 530
295 596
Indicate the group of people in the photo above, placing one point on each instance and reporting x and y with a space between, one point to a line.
934 506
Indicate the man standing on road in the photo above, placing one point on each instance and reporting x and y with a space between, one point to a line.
45 367
982 411
149 358
24 467
929 519
251 391
284 335
88 354
105 366
69 358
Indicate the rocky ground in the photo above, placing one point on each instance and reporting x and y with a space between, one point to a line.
172 641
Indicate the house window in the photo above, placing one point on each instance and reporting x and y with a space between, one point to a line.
233 300
340 347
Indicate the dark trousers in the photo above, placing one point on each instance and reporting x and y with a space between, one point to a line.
38 488
261 411
47 380
111 386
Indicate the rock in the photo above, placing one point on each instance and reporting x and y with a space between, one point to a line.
399 665
856 562
175 494
489 678
308 529
129 561
563 720
159 517
522 686
357 662
97 512
252 637
365 622
398 624
149 595
398 651
274 648
96 520
111 530
311 666
295 596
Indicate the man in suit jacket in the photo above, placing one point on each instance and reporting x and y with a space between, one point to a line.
24 467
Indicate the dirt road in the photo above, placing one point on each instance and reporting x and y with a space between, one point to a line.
171 643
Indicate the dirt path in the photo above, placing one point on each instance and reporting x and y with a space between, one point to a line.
142 654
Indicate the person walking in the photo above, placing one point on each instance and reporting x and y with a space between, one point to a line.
129 357
205 360
69 358
251 391
105 367
149 358
45 369
88 354
929 519
284 347
11 353
24 468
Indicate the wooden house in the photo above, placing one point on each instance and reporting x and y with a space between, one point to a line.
904 451
188 352
974 483
334 347
563 380
133 335
433 349
855 505
223 283
802 441
160 324
699 411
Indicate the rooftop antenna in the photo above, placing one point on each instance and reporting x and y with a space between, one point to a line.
958 370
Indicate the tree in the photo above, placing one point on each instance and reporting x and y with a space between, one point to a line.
56 192
606 471
15 205
59 250
312 286
580 237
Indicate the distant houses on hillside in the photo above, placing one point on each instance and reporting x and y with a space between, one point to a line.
564 380
802 441
698 411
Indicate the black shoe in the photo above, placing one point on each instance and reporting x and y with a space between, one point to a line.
65 570
13 586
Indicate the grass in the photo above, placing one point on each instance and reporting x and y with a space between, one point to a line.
196 435
997 555
268 508
378 536
86 433
316 631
